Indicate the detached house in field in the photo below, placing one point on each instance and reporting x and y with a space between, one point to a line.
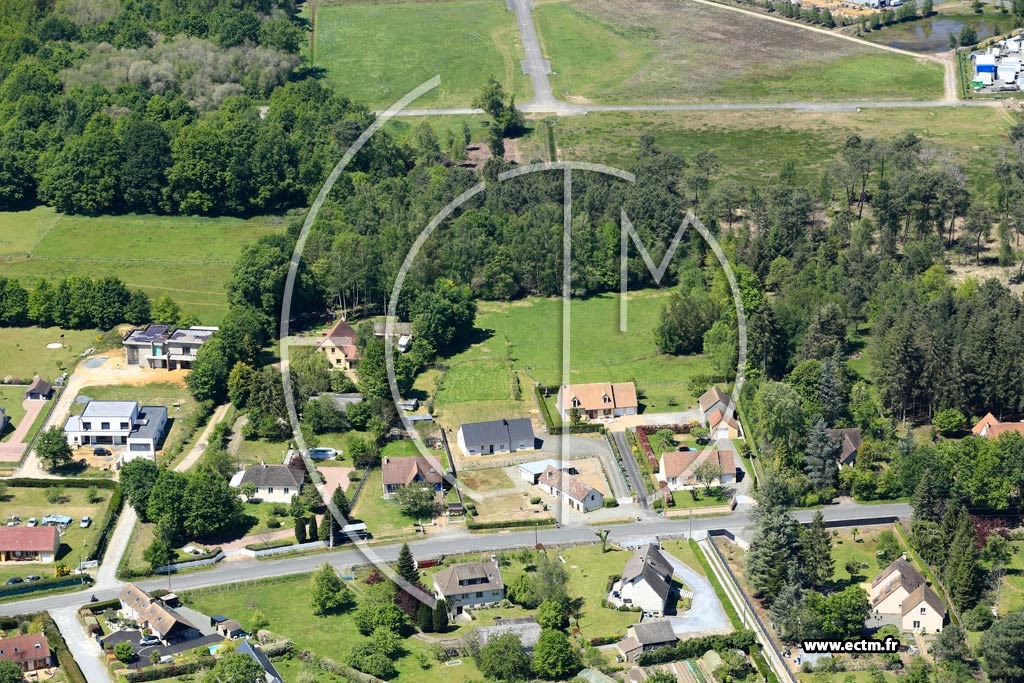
468 585
138 429
339 345
158 346
717 413
497 436
849 440
677 468
990 428
400 472
575 493
900 596
600 400
153 614
30 651
274 483
647 635
646 582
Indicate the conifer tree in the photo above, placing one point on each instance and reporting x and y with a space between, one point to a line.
406 565
816 551
340 501
300 529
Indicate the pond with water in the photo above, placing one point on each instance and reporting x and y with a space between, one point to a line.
932 34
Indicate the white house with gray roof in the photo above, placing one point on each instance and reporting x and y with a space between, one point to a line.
646 582
274 483
157 346
497 436
134 431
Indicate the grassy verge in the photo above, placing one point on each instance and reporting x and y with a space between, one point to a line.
730 610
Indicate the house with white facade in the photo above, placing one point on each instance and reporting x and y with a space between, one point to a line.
133 431
496 436
646 582
677 468
468 585
597 401
155 615
575 493
273 483
900 596
158 346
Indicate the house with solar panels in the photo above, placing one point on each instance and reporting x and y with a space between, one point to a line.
158 346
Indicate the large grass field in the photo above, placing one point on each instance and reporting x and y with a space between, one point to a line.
376 52
23 351
652 51
599 352
184 256
75 541
752 146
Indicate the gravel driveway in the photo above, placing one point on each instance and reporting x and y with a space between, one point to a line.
706 614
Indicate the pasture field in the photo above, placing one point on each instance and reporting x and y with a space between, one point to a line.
599 352
185 256
658 51
464 42
23 351
970 136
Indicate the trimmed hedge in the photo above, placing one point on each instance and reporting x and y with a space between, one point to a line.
268 545
114 508
154 673
45 583
693 648
27 483
508 523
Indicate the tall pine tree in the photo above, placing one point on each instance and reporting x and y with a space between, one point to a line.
406 565
771 558
821 459
816 553
963 573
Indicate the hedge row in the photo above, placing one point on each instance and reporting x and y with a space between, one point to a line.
108 524
582 428
44 583
508 523
693 648
27 483
153 673
268 545
674 428
645 445
58 647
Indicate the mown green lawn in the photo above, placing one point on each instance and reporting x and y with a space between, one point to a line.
609 52
23 351
11 399
599 352
187 257
287 607
384 517
463 42
1011 593
862 550
684 500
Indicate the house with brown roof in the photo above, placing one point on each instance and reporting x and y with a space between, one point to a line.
29 544
646 582
991 428
30 651
578 495
39 390
400 472
274 483
677 468
339 345
597 401
849 443
647 635
900 596
468 585
155 615
711 400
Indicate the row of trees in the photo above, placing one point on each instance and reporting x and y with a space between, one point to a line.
81 302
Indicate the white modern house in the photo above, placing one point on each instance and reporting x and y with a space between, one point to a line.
273 483
574 492
646 582
133 429
156 346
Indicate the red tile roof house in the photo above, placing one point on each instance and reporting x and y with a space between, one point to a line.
990 428
339 343
678 467
578 495
397 473
29 544
29 651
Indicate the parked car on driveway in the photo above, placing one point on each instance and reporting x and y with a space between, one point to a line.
86 521
31 521
101 451
13 580
32 577
146 641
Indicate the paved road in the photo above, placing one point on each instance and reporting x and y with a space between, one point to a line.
85 650
534 65
628 534
573 446
629 462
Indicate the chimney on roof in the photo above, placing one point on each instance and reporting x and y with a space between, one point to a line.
386 460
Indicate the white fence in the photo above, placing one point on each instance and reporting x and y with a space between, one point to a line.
245 552
171 568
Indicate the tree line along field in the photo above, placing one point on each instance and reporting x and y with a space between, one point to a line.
971 136
464 42
188 258
609 52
